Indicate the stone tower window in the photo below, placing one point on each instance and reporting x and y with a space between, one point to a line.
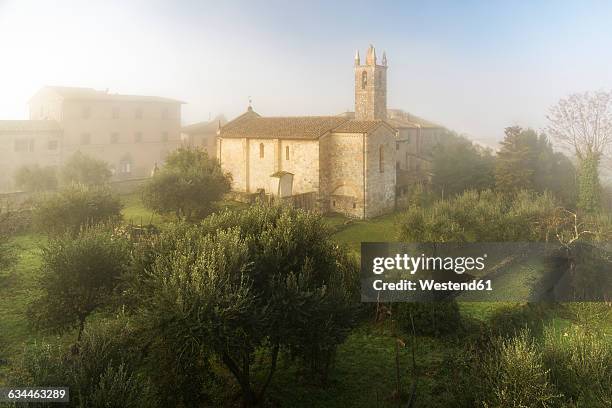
364 79
381 159
286 152
261 150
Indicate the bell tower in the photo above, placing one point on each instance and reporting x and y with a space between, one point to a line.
370 87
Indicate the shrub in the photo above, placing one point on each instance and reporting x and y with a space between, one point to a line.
514 375
74 208
581 366
100 372
83 169
36 178
188 185
429 318
77 276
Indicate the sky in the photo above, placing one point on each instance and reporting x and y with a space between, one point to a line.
475 67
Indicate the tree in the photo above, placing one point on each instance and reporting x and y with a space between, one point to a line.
582 122
75 207
527 161
36 178
516 160
459 165
83 169
188 185
259 280
77 276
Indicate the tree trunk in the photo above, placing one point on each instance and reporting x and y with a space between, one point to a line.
248 395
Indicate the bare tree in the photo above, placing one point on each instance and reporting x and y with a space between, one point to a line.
583 122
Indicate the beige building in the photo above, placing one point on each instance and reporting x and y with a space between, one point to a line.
132 133
351 162
203 135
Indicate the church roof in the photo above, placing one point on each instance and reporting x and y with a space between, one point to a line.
290 127
205 127
358 126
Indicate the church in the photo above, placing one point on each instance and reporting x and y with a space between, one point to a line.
359 163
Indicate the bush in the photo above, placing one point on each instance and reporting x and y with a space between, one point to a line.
36 178
100 372
77 276
76 207
429 318
581 366
514 375
83 169
469 217
187 186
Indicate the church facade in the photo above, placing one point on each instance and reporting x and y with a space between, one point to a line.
355 163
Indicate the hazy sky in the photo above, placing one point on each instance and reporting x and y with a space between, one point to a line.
475 67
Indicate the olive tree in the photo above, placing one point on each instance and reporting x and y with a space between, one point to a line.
263 280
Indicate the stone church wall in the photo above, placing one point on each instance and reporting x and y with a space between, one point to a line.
232 159
380 185
303 162
342 173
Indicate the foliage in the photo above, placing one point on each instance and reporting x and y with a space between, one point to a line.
83 169
515 375
249 282
74 208
469 217
581 365
429 318
589 195
77 277
459 165
101 371
527 161
36 178
188 185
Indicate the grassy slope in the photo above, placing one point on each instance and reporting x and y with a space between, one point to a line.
364 373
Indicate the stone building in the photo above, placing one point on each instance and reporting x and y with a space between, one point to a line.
132 133
351 162
203 135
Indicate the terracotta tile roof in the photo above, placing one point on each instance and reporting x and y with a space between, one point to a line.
75 93
11 126
252 125
398 118
358 126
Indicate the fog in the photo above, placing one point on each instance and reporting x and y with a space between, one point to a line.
474 68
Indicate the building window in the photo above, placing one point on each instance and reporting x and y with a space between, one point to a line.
164 137
114 137
125 167
52 145
86 112
138 113
261 150
354 205
115 112
138 137
286 152
24 145
364 79
85 138
381 159
164 113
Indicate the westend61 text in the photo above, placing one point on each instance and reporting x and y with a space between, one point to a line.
432 285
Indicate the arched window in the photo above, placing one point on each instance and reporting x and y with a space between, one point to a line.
261 150
286 152
364 79
381 159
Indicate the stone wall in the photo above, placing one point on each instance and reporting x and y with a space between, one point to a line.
342 170
380 172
